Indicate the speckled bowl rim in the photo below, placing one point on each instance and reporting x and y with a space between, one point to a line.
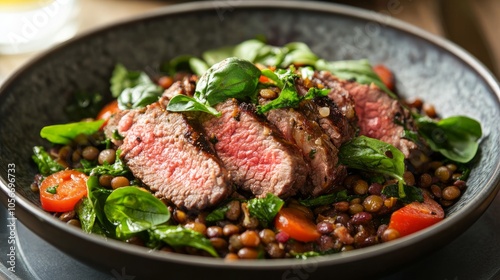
463 218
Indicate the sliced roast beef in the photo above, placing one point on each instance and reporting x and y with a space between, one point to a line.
166 152
256 155
379 115
315 146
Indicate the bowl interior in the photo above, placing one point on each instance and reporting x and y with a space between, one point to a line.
425 67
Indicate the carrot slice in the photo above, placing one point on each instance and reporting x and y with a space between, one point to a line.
107 111
385 75
60 192
295 223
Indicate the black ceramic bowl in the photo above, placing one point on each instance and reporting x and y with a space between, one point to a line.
425 66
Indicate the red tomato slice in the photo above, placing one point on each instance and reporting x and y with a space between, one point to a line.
61 191
416 216
295 223
107 111
385 75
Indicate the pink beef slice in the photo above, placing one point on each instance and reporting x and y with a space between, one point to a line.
316 148
379 115
256 155
169 155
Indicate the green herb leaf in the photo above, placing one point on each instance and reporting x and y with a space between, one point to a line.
218 214
91 210
52 189
361 70
46 165
133 210
265 209
230 78
455 137
288 97
139 96
122 78
373 155
183 103
65 133
326 199
411 193
178 236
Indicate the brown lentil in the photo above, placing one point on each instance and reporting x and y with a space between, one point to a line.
268 93
119 181
74 222
107 155
409 178
230 229
219 243
105 180
250 238
451 193
196 226
214 231
373 203
231 257
360 187
267 236
355 208
443 174
436 191
233 213
425 180
90 153
275 251
248 253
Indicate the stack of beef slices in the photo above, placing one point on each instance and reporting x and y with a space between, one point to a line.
196 160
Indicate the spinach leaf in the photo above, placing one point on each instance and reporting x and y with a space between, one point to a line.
265 209
46 165
133 210
91 209
185 63
87 214
455 137
133 89
361 70
230 78
288 97
65 133
373 155
139 96
412 193
218 214
326 199
178 236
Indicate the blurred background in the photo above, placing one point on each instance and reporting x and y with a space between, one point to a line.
472 24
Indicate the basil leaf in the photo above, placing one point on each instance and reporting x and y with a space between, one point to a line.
248 50
373 155
412 193
218 214
361 70
455 137
184 103
215 56
326 199
91 210
46 165
230 78
86 214
122 78
178 236
65 133
265 209
139 96
133 210
297 53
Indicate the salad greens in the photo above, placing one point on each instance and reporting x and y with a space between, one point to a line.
46 165
326 199
133 89
455 137
373 155
129 211
266 208
65 133
230 78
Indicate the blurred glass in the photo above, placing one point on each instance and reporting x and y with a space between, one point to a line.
32 25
